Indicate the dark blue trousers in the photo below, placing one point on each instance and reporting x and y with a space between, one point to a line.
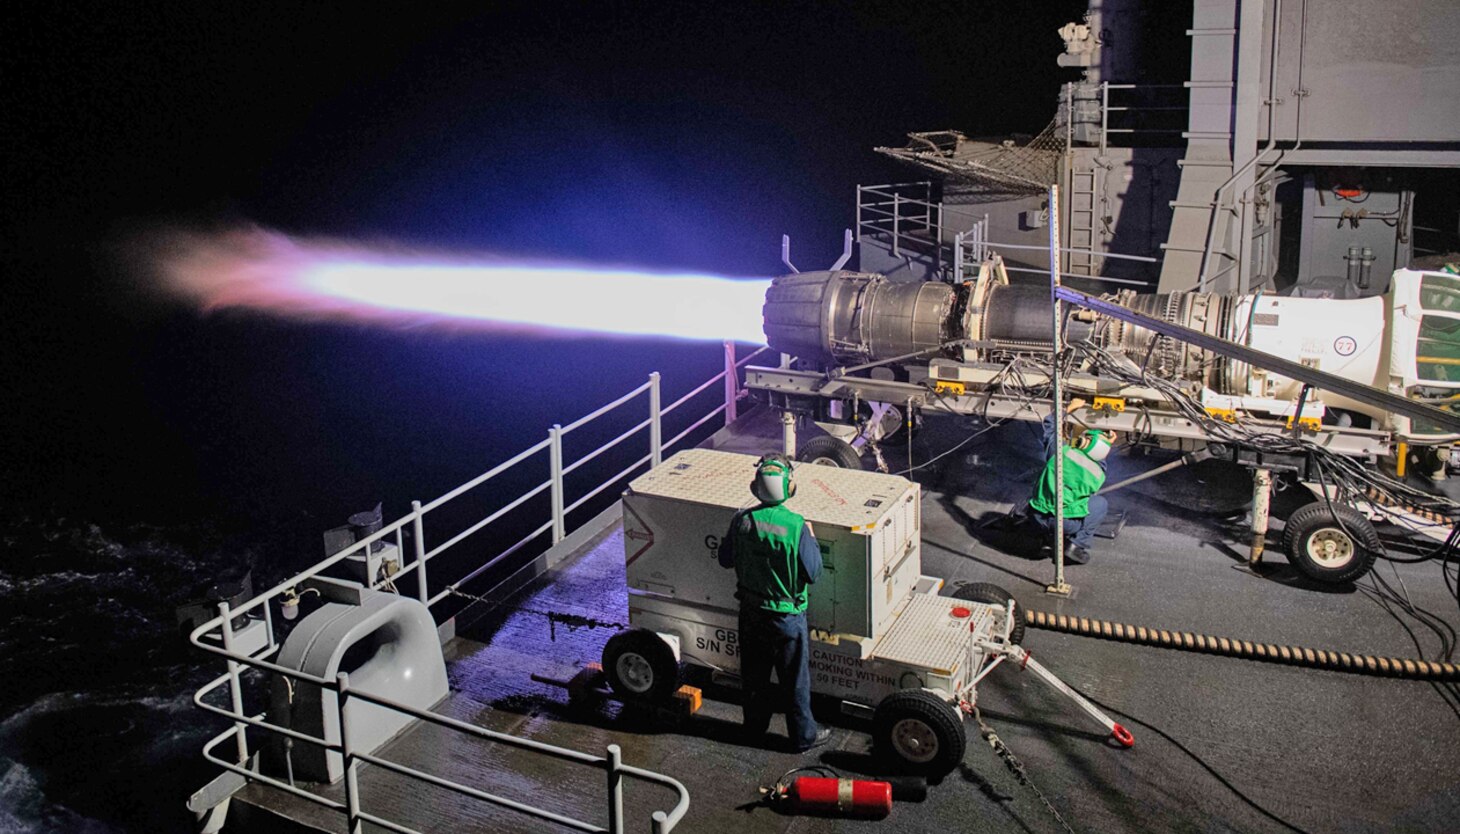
776 641
1082 529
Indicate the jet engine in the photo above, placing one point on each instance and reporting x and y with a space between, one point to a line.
840 318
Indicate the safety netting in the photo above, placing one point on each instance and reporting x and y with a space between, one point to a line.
997 169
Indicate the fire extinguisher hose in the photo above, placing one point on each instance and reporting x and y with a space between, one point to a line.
1333 661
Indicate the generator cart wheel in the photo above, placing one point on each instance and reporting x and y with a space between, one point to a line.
1333 546
992 594
920 731
829 451
640 666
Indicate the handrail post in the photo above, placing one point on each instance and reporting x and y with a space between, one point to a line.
731 383
269 626
555 463
958 258
1069 97
896 211
352 782
418 533
1104 113
938 239
235 686
615 790
656 446
859 214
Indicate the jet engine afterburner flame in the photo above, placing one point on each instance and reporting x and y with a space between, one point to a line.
330 279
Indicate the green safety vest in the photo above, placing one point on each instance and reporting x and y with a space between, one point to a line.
1083 478
768 559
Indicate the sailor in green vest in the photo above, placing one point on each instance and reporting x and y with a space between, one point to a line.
1084 475
775 556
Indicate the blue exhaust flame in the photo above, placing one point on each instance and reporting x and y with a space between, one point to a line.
323 279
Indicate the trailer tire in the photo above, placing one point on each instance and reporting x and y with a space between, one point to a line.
988 592
919 731
640 666
829 451
1332 546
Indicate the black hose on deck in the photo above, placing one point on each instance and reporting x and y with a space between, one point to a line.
1360 664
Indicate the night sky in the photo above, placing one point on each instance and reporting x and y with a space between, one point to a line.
662 135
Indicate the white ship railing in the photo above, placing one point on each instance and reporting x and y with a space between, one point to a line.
218 637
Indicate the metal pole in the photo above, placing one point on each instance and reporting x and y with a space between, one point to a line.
656 446
938 241
958 258
418 533
1056 400
896 210
908 431
615 791
1104 113
1261 503
732 380
859 214
269 626
352 782
235 687
788 434
555 463
1069 118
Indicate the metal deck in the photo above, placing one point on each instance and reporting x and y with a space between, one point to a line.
1324 751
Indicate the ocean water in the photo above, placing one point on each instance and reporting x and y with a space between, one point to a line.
98 729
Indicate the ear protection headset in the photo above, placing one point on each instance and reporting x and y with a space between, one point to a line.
773 483
1095 444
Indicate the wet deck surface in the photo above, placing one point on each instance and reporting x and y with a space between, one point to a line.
1323 751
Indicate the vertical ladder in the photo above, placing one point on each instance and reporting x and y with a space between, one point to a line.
1082 222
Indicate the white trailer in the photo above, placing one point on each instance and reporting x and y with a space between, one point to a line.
881 635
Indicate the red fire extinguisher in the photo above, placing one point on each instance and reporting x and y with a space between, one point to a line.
860 798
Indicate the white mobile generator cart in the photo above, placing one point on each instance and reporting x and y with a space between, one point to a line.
881 636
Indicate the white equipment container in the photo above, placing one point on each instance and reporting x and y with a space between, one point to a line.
881 636
867 524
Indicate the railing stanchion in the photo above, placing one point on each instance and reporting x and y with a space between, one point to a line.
896 213
615 790
731 383
235 686
352 782
418 533
555 463
1104 113
269 626
938 240
859 214
656 446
